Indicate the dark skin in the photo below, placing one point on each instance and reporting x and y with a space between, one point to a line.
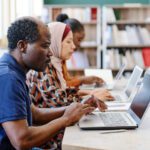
78 37
36 56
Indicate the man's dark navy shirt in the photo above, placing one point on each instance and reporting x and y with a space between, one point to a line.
14 96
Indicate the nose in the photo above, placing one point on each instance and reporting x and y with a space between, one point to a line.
73 46
50 52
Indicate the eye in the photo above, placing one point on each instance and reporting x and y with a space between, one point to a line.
45 45
69 42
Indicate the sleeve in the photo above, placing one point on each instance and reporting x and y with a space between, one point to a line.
45 92
73 82
12 99
70 80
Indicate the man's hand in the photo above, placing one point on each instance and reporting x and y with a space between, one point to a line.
94 102
75 111
99 96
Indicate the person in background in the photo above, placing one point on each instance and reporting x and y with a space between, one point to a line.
78 35
49 88
22 125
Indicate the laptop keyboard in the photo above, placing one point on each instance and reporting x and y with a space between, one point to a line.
117 97
113 119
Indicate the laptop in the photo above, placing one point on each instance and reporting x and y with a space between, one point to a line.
117 78
105 74
124 95
130 119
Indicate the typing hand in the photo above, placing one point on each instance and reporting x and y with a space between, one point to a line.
75 111
94 102
102 94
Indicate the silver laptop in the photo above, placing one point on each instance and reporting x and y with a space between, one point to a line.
125 119
118 76
106 74
124 95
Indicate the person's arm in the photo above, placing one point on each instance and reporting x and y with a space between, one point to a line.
77 81
24 137
41 116
74 82
90 80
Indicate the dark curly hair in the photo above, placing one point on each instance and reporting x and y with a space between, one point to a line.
22 29
74 24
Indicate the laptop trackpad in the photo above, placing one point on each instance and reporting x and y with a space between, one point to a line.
91 120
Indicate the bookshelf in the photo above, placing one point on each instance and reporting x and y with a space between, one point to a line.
90 16
125 36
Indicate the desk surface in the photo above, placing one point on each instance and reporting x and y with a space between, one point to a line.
139 139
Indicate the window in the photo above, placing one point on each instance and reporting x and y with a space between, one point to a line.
12 9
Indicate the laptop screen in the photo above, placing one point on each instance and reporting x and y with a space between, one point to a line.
142 98
120 72
105 74
135 76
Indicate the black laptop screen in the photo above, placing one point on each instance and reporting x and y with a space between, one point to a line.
141 101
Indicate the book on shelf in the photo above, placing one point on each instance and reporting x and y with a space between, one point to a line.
79 60
93 14
108 35
138 58
130 60
117 59
55 12
92 57
110 15
115 35
110 59
146 56
123 37
145 35
132 34
91 33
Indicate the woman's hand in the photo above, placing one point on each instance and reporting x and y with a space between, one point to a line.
91 80
102 94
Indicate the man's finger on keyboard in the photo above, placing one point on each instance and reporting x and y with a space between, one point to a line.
101 106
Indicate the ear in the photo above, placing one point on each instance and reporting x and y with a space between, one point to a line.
22 46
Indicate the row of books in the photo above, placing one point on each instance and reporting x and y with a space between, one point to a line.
82 59
131 35
86 14
140 57
132 14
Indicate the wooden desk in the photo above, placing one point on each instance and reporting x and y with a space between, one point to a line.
139 139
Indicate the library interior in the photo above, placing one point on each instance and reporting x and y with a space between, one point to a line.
106 67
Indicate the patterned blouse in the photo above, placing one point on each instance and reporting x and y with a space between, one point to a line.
46 92
45 89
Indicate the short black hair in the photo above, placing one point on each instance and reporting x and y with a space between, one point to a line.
74 24
22 29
